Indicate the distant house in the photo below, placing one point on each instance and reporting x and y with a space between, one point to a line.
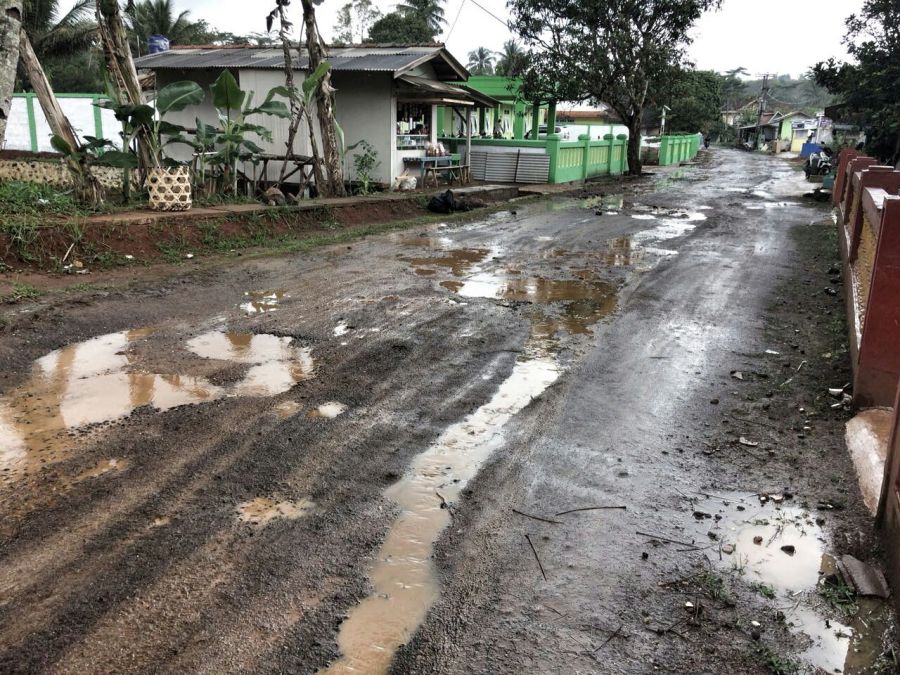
387 95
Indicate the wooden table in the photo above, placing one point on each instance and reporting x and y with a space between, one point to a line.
433 161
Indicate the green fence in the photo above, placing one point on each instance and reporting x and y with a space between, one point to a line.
585 158
677 149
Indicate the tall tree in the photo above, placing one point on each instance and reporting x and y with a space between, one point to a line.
354 21
615 51
331 148
87 187
10 29
481 61
512 60
397 28
53 35
159 17
431 11
871 85
695 101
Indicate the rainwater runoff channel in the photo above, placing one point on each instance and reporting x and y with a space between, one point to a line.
105 378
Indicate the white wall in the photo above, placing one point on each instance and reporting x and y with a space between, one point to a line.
365 109
80 112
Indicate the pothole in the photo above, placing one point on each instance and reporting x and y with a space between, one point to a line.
102 379
263 510
262 302
329 410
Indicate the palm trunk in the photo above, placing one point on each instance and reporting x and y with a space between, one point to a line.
10 27
114 39
324 105
87 186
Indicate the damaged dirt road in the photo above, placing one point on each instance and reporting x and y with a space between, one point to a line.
588 434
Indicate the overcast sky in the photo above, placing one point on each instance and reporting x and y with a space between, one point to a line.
774 36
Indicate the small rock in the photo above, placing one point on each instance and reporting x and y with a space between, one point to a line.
789 549
758 540
714 401
737 375
727 549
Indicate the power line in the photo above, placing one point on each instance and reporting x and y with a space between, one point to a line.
479 5
453 25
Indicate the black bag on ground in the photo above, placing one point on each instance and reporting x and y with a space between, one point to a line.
443 203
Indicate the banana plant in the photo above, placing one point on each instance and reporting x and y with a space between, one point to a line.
174 97
233 107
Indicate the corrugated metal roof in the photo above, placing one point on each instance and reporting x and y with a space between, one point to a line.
447 90
375 59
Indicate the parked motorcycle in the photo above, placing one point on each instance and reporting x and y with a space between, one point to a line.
819 163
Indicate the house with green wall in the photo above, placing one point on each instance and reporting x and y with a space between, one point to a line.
514 118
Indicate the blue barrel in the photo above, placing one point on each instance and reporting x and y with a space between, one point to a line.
157 44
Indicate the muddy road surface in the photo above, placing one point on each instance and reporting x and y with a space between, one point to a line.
585 434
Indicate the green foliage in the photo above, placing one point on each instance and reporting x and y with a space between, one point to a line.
354 20
398 28
22 292
429 11
589 50
695 99
764 590
481 61
364 163
778 665
512 60
870 87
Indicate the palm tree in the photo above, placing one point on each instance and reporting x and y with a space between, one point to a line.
481 61
55 36
157 17
512 60
432 11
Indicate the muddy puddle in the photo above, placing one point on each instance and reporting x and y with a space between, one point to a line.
403 576
328 410
263 510
262 302
104 379
782 552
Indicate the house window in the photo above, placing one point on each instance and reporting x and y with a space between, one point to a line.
413 126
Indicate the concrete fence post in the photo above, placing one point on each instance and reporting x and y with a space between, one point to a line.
553 151
585 139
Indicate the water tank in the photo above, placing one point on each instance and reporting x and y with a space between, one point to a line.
157 44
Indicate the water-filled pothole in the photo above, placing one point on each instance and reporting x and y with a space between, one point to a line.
262 302
103 379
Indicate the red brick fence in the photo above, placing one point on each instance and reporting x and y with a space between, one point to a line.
867 202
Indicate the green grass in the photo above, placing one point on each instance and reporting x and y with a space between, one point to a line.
838 594
764 590
18 198
21 292
779 665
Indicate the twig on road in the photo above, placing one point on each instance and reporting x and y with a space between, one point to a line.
665 539
533 517
536 557
589 508
607 640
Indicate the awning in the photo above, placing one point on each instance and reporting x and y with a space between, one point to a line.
423 90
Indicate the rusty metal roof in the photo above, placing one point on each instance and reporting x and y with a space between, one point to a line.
441 92
377 58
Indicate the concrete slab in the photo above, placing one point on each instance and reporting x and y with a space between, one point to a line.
867 436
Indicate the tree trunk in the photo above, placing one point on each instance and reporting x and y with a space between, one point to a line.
10 27
634 145
324 106
121 68
87 186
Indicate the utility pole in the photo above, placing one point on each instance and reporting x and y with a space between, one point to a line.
763 104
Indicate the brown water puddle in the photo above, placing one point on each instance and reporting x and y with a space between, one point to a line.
261 302
620 252
263 510
287 409
329 410
457 261
100 380
403 577
752 535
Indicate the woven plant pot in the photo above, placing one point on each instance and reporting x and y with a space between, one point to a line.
170 189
